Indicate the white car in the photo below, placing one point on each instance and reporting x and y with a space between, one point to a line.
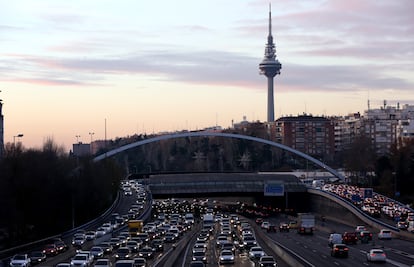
360 228
376 255
256 252
81 260
384 234
20 260
226 256
265 225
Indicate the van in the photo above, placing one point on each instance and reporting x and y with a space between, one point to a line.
334 238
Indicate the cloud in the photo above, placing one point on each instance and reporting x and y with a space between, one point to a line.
213 68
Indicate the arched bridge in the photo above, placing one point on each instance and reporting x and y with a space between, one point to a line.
218 134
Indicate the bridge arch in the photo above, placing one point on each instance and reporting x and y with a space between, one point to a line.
218 134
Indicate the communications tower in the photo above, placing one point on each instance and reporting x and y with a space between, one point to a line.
270 67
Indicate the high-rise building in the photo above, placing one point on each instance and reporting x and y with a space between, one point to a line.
270 67
311 135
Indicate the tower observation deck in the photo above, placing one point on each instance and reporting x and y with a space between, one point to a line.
270 67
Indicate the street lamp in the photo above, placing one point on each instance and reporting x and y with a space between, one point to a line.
77 138
14 138
91 134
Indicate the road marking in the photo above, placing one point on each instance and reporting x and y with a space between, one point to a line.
396 263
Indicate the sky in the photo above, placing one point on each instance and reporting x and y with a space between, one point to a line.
72 68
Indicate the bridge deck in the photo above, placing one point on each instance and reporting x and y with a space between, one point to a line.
221 183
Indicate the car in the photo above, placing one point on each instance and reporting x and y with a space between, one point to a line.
81 260
132 245
360 228
100 232
199 255
267 261
50 250
376 255
249 241
365 236
339 250
349 238
228 246
103 263
256 252
199 247
169 237
140 262
37 256
334 238
226 256
88 253
115 242
97 251
402 225
259 221
197 264
122 253
124 263
283 227
78 241
107 247
385 234
90 235
157 244
221 240
265 225
20 260
61 246
293 224
146 252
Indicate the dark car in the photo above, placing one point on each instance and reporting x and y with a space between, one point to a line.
339 250
158 244
123 253
61 246
200 256
349 238
37 257
365 236
267 261
146 252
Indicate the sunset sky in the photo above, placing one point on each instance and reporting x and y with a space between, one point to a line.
148 66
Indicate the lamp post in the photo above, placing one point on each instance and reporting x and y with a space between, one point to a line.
77 139
14 138
91 134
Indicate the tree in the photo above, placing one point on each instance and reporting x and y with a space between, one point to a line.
359 159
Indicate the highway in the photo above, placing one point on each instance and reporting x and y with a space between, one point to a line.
311 249
315 250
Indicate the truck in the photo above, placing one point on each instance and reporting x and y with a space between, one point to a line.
135 227
208 221
306 223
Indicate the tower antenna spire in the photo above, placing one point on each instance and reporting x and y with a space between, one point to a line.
270 19
270 67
